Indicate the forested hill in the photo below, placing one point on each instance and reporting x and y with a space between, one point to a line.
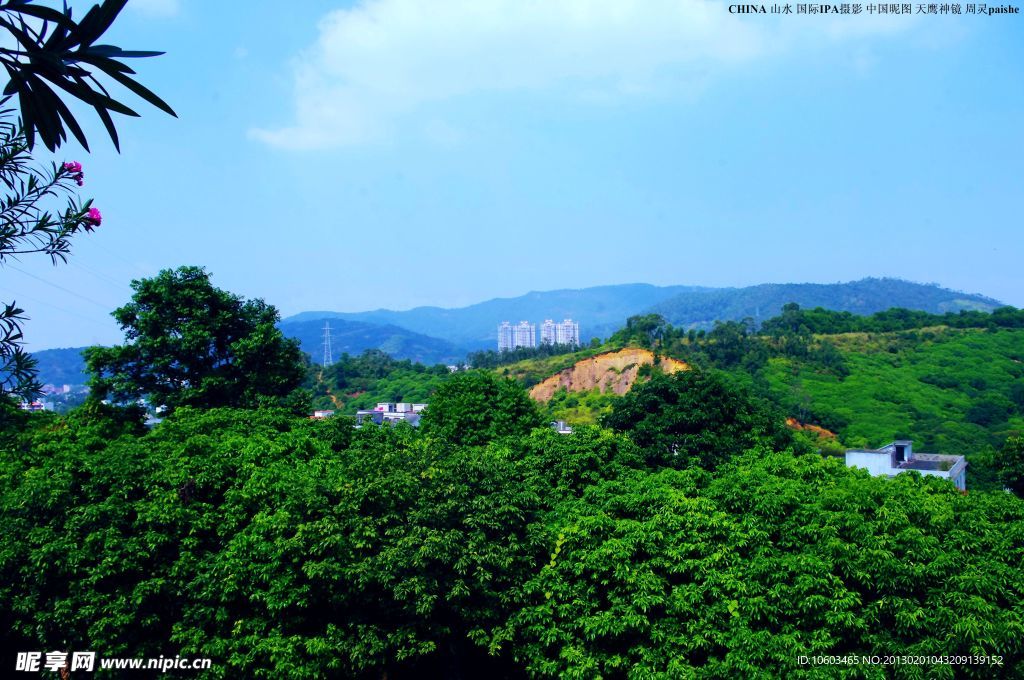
602 310
954 383
353 337
702 308
62 366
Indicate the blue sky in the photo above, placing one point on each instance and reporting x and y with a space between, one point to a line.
396 153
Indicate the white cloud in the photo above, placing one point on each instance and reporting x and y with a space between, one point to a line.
156 8
378 62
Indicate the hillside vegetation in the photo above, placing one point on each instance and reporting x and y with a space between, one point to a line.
692 537
951 390
432 335
360 382
956 390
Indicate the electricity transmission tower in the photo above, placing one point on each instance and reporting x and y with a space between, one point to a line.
328 356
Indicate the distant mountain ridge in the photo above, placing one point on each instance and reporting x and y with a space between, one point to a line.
863 297
603 309
355 337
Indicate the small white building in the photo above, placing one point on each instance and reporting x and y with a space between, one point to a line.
391 413
561 427
899 456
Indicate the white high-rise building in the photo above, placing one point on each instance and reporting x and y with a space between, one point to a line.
526 334
523 334
567 332
506 337
548 334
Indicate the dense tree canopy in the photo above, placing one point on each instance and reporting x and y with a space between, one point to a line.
360 381
475 407
282 547
1011 465
678 574
643 329
793 320
191 344
693 538
695 418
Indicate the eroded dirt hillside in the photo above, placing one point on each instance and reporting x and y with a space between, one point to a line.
615 371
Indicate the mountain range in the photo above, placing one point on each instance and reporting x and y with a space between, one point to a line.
440 335
603 309
598 309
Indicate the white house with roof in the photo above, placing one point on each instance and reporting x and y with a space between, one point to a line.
391 413
899 456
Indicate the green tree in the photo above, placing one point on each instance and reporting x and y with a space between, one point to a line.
1011 465
642 329
684 574
191 344
282 547
475 407
695 418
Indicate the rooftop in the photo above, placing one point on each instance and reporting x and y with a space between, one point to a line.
930 461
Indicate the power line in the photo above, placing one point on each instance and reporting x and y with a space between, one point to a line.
98 275
53 306
54 285
143 273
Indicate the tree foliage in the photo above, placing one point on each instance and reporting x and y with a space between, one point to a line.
355 382
48 48
31 224
793 320
695 418
282 547
644 330
676 574
484 546
491 359
191 344
52 49
475 407
1011 465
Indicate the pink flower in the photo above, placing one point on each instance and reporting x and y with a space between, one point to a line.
75 168
93 219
